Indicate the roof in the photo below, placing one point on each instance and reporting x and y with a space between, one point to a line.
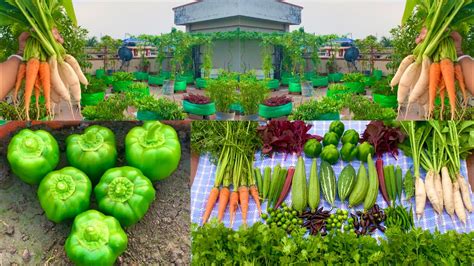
206 10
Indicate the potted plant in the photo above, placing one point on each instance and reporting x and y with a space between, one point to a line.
364 109
336 90
383 95
324 109
252 93
111 109
180 84
223 93
150 108
277 106
272 84
94 92
142 73
122 80
331 66
206 68
320 81
139 89
354 82
156 80
294 85
198 105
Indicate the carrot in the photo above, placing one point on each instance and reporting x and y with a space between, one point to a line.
37 95
32 67
447 70
254 193
224 195
422 83
460 78
407 61
45 76
211 201
435 78
244 202
77 68
233 204
19 79
458 205
447 192
466 197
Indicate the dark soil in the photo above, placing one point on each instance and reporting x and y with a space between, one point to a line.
161 237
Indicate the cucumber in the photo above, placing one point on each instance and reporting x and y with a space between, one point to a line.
373 189
313 187
346 182
299 198
266 181
328 182
360 189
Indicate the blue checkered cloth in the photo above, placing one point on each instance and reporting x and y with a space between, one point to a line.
205 176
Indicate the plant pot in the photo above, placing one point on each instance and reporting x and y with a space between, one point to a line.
286 78
180 86
273 84
385 101
140 75
225 116
3 122
147 116
377 74
355 87
320 81
275 111
165 74
329 117
189 79
253 117
199 109
99 73
201 83
294 87
309 75
156 80
335 77
88 99
237 108
121 86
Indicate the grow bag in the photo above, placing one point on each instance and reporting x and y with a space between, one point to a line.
199 109
273 84
88 99
377 74
329 117
165 74
3 122
201 83
148 115
286 79
189 79
99 73
120 86
236 107
140 75
294 87
320 81
385 101
355 87
335 77
156 80
309 75
180 85
275 111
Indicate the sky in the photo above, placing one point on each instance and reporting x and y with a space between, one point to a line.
356 18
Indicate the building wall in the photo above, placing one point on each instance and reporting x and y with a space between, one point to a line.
232 23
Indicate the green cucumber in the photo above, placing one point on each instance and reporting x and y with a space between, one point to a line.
299 197
346 182
313 187
266 181
360 189
373 189
328 182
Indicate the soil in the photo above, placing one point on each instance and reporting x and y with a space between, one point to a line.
161 237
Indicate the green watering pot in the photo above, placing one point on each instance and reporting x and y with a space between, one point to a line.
335 77
355 87
320 81
275 111
121 86
156 80
294 87
180 85
385 101
99 73
273 84
201 83
90 99
199 109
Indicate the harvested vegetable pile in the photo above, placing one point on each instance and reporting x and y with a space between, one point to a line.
47 68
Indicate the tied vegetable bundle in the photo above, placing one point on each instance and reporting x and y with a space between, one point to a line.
47 69
432 68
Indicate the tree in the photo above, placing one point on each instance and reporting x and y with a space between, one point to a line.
403 41
368 48
386 42
106 45
92 42
74 40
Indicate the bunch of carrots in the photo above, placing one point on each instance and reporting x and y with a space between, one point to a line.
432 68
48 69
234 172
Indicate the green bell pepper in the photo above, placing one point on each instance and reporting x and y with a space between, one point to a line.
349 152
312 148
331 138
330 154
364 150
125 193
32 155
95 239
65 193
92 152
153 148
337 127
350 136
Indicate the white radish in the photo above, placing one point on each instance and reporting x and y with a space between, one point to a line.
458 205
401 69
421 86
447 192
71 81
439 189
58 86
407 82
431 191
420 197
466 197
77 69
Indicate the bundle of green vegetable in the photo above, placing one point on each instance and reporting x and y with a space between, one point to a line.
432 65
47 67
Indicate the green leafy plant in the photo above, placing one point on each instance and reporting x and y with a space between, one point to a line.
222 92
207 61
165 108
111 109
368 48
353 77
267 64
383 87
252 93
312 109
364 109
122 76
95 85
403 41
108 46
337 87
138 86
